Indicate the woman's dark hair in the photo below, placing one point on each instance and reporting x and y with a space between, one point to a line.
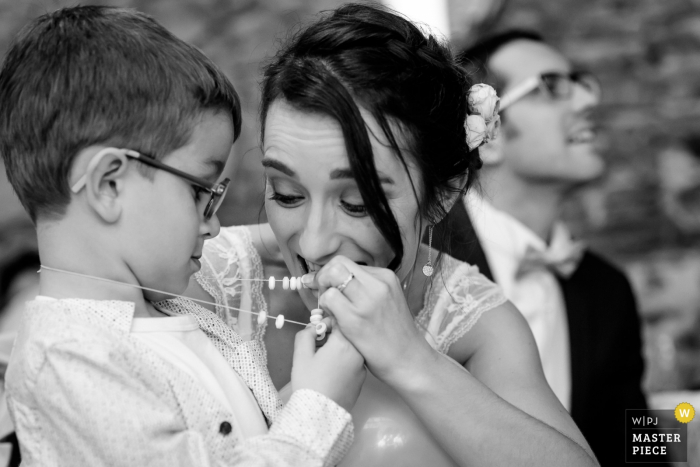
362 56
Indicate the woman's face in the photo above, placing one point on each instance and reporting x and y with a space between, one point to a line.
313 202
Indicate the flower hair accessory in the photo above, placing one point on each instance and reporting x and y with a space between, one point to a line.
483 122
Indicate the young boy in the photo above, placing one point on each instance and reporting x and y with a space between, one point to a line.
113 133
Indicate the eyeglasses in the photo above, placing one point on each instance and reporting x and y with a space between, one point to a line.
556 85
216 190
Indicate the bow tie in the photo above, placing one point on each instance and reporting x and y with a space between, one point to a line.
562 256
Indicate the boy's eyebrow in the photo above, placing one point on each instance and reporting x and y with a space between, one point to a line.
214 168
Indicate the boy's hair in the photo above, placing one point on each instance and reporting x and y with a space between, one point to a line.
93 75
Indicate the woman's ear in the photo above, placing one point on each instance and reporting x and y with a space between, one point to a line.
104 183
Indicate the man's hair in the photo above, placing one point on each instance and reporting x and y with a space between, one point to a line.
96 75
475 59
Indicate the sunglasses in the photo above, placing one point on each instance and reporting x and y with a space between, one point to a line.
556 85
217 191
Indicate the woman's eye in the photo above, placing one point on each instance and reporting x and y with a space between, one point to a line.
285 200
355 210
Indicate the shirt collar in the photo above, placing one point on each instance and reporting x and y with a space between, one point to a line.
505 239
500 231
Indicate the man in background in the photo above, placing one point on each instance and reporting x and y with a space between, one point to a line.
580 308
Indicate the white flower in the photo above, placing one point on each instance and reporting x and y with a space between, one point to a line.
476 131
484 101
493 128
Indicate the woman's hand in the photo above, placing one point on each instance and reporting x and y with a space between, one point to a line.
373 314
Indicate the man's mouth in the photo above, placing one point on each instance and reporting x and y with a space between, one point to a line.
583 136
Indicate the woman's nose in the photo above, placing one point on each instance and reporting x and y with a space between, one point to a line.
318 240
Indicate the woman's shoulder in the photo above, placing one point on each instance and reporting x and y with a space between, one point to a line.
457 298
255 241
232 274
236 237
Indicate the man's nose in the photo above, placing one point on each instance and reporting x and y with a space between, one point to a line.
584 98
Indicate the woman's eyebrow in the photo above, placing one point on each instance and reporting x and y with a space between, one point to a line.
347 173
277 165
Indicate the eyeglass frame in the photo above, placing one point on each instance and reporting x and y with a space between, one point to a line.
538 82
217 190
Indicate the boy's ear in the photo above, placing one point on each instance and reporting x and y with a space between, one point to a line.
104 182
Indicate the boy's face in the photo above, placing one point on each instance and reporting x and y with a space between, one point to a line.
164 226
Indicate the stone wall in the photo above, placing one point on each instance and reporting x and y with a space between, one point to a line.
645 214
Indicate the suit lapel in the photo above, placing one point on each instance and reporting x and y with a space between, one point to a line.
244 356
580 330
455 236
465 246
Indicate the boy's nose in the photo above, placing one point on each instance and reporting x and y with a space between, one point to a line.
211 227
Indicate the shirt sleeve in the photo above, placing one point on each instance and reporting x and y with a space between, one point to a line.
89 405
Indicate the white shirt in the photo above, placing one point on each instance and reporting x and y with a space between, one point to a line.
180 341
537 294
83 390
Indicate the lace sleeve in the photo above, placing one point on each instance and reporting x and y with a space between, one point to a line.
231 273
455 302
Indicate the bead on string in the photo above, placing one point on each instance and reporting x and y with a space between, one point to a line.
293 283
262 316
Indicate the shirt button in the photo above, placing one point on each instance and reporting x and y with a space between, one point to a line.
225 428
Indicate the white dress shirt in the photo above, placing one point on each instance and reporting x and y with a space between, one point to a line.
83 390
537 294
179 340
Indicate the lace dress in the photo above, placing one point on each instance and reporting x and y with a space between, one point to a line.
387 432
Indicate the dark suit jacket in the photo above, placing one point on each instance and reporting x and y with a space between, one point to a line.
604 332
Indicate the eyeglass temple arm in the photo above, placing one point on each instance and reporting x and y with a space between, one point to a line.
519 92
78 185
82 181
159 165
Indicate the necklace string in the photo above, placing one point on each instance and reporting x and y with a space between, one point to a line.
111 281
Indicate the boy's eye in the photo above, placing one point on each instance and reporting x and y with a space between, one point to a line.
198 192
286 200
355 210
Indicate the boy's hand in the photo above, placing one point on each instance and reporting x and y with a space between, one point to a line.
335 370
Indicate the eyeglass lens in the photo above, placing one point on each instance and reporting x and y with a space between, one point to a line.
215 201
560 85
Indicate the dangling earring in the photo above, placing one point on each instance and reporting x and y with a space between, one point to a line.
428 268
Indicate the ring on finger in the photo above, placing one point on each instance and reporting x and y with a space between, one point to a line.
345 283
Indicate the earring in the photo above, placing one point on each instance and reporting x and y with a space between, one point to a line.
428 268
